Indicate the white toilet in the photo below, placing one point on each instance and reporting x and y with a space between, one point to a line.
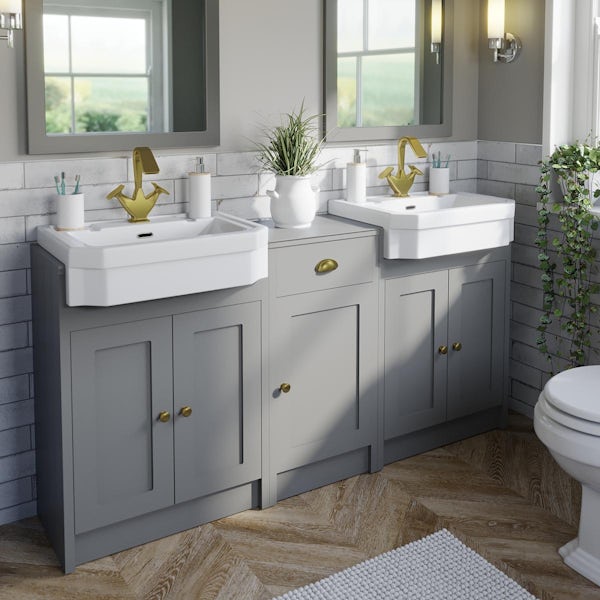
567 421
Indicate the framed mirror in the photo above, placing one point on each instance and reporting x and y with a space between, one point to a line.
388 69
115 74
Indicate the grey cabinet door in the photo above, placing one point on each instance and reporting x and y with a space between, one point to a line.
217 374
123 455
476 322
324 345
414 369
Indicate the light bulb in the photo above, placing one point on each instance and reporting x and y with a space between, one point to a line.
495 19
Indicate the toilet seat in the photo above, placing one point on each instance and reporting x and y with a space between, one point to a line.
576 393
563 418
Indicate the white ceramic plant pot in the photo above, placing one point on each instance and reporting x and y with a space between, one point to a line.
293 202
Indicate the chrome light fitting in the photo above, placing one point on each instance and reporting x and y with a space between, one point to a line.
436 29
10 20
505 46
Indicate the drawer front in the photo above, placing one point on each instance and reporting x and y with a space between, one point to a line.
323 265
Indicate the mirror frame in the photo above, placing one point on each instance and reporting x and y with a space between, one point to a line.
365 134
42 143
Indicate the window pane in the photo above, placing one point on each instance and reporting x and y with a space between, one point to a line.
111 104
388 90
350 25
346 91
58 105
56 44
392 24
108 45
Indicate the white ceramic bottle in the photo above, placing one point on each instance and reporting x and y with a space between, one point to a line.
199 191
356 179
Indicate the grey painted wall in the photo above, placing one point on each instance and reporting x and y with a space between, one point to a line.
271 58
511 95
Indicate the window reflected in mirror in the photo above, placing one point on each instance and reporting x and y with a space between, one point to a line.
381 71
115 66
113 74
97 72
377 57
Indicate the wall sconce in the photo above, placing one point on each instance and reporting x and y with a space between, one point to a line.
506 46
436 29
10 19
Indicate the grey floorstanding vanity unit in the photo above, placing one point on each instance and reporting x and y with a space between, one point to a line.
156 416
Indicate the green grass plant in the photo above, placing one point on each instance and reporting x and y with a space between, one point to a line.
293 147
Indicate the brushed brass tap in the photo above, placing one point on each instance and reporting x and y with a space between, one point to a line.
403 181
138 207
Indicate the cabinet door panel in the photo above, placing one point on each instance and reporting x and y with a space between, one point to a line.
217 357
415 372
325 346
123 455
476 371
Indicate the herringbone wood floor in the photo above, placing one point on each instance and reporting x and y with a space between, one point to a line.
500 493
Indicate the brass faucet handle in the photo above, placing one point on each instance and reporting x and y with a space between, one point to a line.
386 173
159 189
115 192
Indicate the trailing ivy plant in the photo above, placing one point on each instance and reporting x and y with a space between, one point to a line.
567 254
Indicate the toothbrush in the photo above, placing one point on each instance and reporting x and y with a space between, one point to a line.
447 161
62 183
77 180
56 183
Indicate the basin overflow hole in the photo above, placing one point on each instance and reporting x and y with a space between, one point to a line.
145 235
411 207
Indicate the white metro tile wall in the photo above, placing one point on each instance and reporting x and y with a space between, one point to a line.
513 170
26 201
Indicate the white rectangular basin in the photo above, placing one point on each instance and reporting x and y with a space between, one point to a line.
117 262
422 226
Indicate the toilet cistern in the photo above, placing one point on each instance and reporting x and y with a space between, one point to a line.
403 181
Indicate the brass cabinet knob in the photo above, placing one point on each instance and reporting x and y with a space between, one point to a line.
285 387
326 265
457 346
443 349
164 416
186 411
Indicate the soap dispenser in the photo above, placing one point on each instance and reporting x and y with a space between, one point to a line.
199 192
356 179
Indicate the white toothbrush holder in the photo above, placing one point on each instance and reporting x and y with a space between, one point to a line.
70 210
439 181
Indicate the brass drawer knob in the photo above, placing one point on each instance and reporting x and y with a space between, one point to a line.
285 388
186 411
164 416
326 265
457 346
443 349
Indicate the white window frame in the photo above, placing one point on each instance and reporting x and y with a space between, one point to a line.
153 16
571 73
359 55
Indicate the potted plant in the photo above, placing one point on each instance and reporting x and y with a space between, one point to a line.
567 254
291 151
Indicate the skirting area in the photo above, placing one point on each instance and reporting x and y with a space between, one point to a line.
438 566
499 493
